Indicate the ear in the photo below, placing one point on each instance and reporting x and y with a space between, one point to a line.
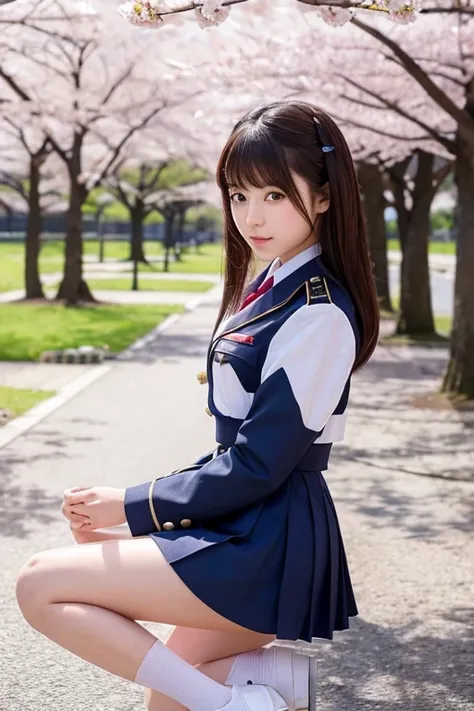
322 200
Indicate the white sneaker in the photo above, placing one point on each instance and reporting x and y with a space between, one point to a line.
284 670
291 677
255 697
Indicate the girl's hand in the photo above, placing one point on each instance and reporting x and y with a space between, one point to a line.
96 507
83 535
76 521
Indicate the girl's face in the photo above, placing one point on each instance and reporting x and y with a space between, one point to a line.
270 223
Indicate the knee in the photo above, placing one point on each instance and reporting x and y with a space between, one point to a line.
31 588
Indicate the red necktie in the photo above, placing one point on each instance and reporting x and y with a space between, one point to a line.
266 286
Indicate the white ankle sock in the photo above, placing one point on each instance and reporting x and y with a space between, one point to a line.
274 666
164 671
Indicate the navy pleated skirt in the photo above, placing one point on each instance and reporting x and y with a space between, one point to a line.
277 567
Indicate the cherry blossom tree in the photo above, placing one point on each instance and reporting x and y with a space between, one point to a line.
24 152
452 90
90 108
173 204
210 13
142 172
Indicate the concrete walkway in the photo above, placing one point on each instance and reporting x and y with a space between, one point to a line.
40 376
440 262
402 483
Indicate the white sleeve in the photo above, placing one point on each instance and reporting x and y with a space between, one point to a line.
316 348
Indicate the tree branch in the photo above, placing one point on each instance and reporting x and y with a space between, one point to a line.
151 185
441 175
122 142
461 117
116 85
13 85
379 132
446 142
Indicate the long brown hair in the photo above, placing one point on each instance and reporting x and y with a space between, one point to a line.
264 147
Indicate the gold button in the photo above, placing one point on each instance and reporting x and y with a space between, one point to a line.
202 377
208 412
186 522
168 526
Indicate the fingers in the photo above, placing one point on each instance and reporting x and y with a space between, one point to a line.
73 514
79 525
79 495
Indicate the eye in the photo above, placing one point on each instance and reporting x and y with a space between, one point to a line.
276 196
237 195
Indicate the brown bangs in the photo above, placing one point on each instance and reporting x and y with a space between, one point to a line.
256 160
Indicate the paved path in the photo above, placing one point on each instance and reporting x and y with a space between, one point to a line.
142 296
402 483
39 376
436 261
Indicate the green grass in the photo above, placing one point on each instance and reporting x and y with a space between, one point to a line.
26 330
148 285
12 264
434 247
114 249
443 326
52 260
208 261
18 400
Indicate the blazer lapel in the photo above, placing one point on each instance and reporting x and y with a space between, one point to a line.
280 292
264 303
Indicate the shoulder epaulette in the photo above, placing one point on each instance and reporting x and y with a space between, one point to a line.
317 291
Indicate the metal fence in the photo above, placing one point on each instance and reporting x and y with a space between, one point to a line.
13 228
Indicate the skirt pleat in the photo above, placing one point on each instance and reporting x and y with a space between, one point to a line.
279 567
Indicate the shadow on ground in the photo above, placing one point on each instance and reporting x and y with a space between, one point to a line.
404 668
23 509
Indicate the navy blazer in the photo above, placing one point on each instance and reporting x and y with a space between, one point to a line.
279 377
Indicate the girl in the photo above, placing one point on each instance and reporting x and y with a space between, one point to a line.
243 547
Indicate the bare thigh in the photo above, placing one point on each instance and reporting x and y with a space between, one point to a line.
130 577
200 646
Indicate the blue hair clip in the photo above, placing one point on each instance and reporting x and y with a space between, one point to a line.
327 149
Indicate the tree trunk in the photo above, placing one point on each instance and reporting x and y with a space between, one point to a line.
100 232
73 288
137 215
33 287
459 377
180 220
416 312
372 191
168 240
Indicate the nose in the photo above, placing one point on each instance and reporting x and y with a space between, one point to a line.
254 216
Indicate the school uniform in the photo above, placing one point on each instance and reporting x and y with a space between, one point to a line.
251 527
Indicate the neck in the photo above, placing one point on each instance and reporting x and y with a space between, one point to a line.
287 256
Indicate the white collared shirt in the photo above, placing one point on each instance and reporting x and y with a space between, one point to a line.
280 270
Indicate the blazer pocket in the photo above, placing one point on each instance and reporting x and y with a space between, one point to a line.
226 350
